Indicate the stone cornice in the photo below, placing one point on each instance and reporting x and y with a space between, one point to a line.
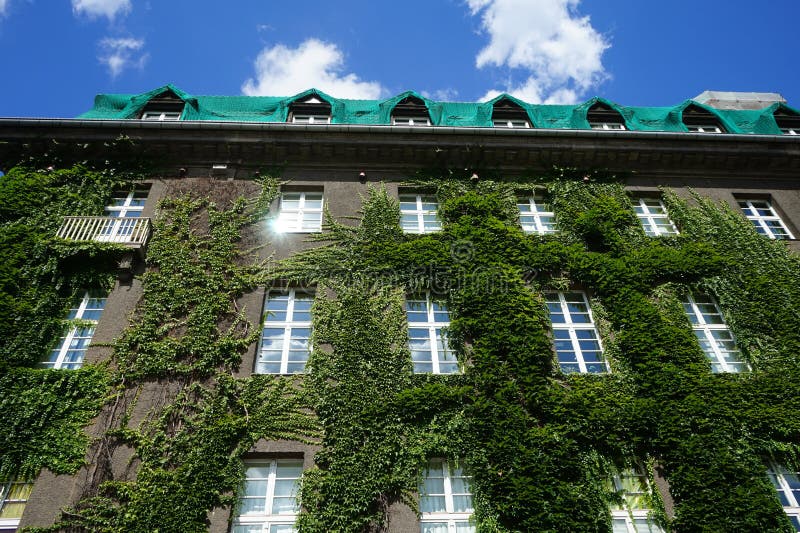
401 148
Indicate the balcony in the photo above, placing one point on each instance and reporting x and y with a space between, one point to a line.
129 231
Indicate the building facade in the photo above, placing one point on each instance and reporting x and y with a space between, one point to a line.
318 314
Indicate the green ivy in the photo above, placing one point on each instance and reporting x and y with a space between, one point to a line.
539 444
189 336
41 276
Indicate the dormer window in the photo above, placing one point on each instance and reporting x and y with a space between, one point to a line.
603 117
161 115
508 114
410 111
410 121
789 123
165 107
698 120
310 110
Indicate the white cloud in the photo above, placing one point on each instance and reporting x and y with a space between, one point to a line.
119 54
281 71
556 50
101 8
3 7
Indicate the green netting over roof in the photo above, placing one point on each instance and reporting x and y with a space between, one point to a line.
464 114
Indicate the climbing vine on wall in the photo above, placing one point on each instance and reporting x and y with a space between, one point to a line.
539 444
188 336
41 276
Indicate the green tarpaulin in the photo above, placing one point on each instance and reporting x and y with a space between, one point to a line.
459 114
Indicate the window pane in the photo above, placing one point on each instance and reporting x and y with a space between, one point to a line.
282 528
432 504
434 527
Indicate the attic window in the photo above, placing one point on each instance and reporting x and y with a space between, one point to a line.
699 120
310 110
603 117
410 111
508 114
789 123
161 115
165 107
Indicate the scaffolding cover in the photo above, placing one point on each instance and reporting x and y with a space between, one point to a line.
457 114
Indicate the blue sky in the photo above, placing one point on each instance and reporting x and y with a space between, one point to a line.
55 55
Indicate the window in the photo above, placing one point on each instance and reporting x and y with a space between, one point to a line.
164 106
13 497
787 485
411 111
71 347
124 209
576 340
715 338
269 497
632 515
765 219
701 120
603 117
653 216
510 123
161 115
445 499
787 121
411 121
419 213
607 125
703 128
507 113
536 215
430 352
300 212
311 119
310 110
285 339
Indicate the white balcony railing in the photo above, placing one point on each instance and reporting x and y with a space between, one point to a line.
130 231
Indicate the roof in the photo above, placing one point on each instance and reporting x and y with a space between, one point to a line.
466 114
738 100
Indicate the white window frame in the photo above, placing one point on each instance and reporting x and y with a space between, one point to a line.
760 221
267 520
162 116
120 228
290 325
626 514
703 128
308 118
777 474
292 220
699 325
75 334
422 226
411 121
449 516
511 123
538 211
10 524
435 335
648 217
573 327
614 126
